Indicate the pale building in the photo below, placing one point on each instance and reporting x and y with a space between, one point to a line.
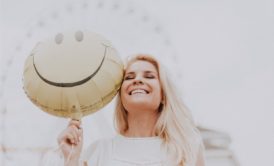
217 148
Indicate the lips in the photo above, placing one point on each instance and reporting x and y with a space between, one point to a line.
138 91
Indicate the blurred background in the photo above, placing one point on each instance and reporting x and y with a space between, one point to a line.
220 55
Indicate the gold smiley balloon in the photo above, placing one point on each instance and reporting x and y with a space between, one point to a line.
72 74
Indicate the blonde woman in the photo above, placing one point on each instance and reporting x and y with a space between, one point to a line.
154 127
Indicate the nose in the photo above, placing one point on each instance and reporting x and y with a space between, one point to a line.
138 80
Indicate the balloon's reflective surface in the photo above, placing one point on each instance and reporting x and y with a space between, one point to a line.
73 74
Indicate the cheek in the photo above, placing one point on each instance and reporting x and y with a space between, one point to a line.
158 95
158 91
124 96
123 90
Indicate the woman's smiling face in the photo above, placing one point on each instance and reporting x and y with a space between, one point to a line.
141 89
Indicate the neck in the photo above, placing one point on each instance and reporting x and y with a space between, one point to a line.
142 124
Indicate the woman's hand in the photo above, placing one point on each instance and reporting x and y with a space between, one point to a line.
71 141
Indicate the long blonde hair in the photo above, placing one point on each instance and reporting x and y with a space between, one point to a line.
174 125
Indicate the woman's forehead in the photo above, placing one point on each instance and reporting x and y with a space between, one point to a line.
140 65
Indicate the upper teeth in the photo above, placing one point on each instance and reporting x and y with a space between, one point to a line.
138 91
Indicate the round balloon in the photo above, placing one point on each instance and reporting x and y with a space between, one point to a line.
72 74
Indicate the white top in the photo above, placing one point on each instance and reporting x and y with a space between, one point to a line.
126 151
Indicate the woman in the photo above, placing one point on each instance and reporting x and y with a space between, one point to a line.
154 128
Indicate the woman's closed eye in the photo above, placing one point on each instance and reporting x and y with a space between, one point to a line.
132 77
128 77
149 76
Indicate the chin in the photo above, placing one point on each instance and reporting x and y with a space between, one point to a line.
137 99
140 105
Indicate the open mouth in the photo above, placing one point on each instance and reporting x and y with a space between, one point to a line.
138 91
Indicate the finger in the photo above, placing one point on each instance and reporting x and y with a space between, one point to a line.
80 134
76 123
75 135
72 135
69 138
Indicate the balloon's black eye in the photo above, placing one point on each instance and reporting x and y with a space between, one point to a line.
59 38
79 36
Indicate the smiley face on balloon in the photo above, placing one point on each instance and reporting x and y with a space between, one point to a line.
72 74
